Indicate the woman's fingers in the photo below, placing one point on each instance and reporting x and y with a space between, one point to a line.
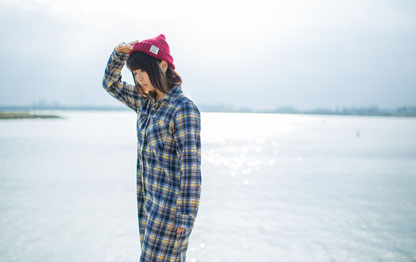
124 44
126 47
133 43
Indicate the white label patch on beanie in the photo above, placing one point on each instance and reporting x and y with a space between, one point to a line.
154 49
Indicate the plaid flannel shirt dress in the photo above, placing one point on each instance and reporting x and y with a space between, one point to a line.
168 164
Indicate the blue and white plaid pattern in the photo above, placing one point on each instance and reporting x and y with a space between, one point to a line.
168 164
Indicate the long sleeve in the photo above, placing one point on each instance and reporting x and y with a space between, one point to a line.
113 84
187 129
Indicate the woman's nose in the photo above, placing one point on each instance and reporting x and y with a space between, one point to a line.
139 77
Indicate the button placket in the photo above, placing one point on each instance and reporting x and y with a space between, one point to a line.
147 121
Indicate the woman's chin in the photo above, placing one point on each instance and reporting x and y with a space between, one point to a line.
146 89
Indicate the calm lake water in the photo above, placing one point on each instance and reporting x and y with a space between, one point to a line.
275 187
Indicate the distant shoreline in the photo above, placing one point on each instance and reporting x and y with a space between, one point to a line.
404 111
24 115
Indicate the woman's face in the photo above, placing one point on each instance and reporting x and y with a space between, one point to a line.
143 79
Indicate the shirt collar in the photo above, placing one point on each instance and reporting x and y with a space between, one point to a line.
173 92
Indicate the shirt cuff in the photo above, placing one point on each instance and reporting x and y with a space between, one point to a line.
184 221
120 56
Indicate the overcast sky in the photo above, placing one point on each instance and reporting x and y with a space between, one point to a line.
260 54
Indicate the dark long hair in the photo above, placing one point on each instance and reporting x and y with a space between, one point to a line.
149 64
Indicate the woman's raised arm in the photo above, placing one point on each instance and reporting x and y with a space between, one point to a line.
112 82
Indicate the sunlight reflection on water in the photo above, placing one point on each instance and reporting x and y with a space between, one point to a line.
273 186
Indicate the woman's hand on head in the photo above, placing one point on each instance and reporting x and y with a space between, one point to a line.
125 48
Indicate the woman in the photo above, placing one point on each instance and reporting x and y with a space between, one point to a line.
168 146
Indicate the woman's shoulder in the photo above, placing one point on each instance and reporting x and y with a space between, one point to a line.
185 103
180 99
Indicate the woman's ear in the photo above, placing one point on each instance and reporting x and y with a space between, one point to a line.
164 66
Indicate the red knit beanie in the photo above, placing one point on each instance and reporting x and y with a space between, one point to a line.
156 47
